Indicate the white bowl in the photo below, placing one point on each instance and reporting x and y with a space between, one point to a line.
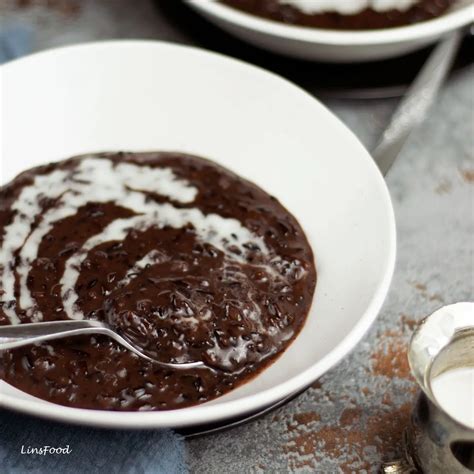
139 95
333 45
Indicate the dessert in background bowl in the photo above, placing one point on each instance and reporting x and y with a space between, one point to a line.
344 14
338 30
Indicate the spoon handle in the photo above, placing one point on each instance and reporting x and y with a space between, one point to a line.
24 334
414 106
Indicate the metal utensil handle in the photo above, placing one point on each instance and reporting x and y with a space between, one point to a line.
415 104
24 334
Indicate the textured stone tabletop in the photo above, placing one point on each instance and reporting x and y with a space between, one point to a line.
353 418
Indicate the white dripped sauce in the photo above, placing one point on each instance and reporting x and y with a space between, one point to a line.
94 180
210 228
15 234
98 180
348 7
151 258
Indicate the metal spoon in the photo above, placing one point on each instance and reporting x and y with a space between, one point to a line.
25 334
414 106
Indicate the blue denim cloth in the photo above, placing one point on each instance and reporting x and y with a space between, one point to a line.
92 450
15 40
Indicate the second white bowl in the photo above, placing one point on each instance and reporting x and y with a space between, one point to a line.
333 45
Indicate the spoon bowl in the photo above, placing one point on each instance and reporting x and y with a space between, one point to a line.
32 333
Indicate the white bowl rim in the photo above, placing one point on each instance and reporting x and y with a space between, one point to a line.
417 31
205 414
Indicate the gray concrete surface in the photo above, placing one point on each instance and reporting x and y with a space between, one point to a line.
353 418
